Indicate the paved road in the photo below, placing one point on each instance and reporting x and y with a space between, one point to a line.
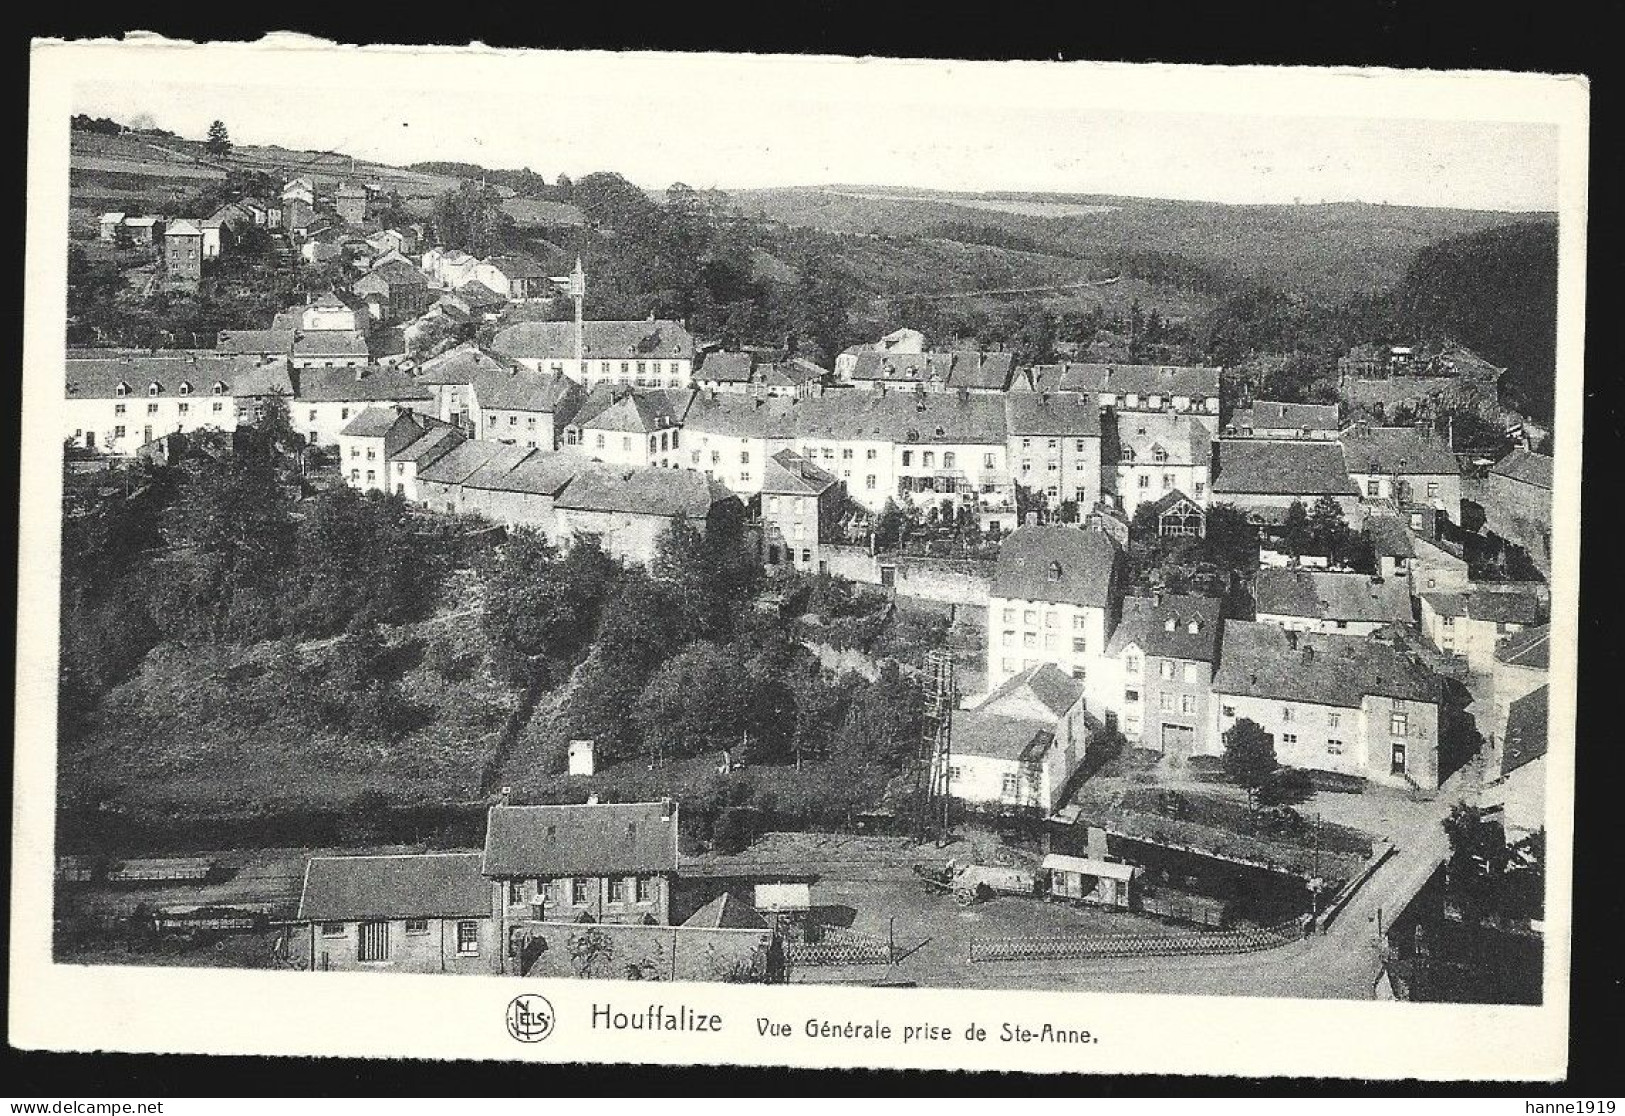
1342 963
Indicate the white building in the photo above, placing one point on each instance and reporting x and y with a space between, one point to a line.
1471 624
645 354
1159 453
1324 601
1020 747
1129 387
329 399
119 405
624 427
382 448
1052 598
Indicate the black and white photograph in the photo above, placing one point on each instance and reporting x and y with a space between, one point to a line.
806 522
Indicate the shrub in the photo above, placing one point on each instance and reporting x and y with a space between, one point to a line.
732 832
1287 786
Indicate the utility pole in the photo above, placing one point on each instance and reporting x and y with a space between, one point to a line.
578 294
937 742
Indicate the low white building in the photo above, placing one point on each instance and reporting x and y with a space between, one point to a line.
329 399
1471 624
374 442
641 354
1019 748
119 405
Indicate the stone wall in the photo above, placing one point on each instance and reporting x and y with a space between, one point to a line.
947 580
631 952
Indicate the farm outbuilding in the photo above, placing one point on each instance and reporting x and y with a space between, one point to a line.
1087 880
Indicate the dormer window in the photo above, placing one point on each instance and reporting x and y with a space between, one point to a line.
1160 454
154 388
122 390
1128 453
1055 571
1170 624
185 388
219 387
1194 627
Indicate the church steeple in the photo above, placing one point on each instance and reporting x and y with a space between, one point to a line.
578 294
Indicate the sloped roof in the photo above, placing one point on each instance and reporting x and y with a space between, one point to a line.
1325 595
1263 415
1529 468
1052 415
400 273
463 461
726 367
1530 648
368 383
651 491
1026 567
182 228
375 422
981 371
793 372
1044 686
477 296
980 733
459 365
903 418
1491 607
1525 739
657 340
330 343
516 267
1171 499
741 416
255 341
1389 536
600 839
1185 438
1189 381
612 407
1262 660
99 378
531 471
519 389
787 472
903 368
1280 468
1400 450
436 442
726 913
420 885
1144 624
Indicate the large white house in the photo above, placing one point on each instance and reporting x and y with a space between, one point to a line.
117 405
646 354
1021 746
1052 598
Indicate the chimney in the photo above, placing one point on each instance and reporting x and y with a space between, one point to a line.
592 799
1292 639
667 808
1308 654
504 796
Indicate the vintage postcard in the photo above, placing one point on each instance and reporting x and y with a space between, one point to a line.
798 561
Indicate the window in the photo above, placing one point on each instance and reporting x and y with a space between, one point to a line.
1198 488
1029 618
372 475
1029 639
869 455
1289 738
1132 664
1333 720
1077 621
1433 489
1190 673
1166 669
516 892
846 455
118 408
468 938
122 390
118 431
1228 710
1165 701
806 557
1167 481
1187 703
578 892
218 407
1373 488
1010 786
185 407
416 926
153 389
1159 455
928 459
947 460
1286 713
987 461
152 408
1009 616
332 929
744 457
908 457
1335 747
344 412
869 481
617 889
646 889
1131 696
1145 480
1399 724
1448 621
1078 673
355 475
1079 645
1127 455
372 454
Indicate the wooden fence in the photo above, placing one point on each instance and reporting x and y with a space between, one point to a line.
839 946
1080 947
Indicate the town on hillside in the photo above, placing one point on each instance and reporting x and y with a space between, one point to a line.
420 615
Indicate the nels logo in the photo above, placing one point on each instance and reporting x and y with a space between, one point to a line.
530 1018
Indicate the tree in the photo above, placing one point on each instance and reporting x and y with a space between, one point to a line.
471 218
1295 532
540 608
1249 756
1230 538
1328 532
219 141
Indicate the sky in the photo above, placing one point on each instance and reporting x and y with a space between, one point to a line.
735 122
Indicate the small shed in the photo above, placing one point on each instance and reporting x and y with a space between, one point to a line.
189 869
1083 879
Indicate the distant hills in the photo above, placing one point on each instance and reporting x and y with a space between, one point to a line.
1318 251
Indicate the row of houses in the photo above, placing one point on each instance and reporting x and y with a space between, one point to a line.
1171 674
